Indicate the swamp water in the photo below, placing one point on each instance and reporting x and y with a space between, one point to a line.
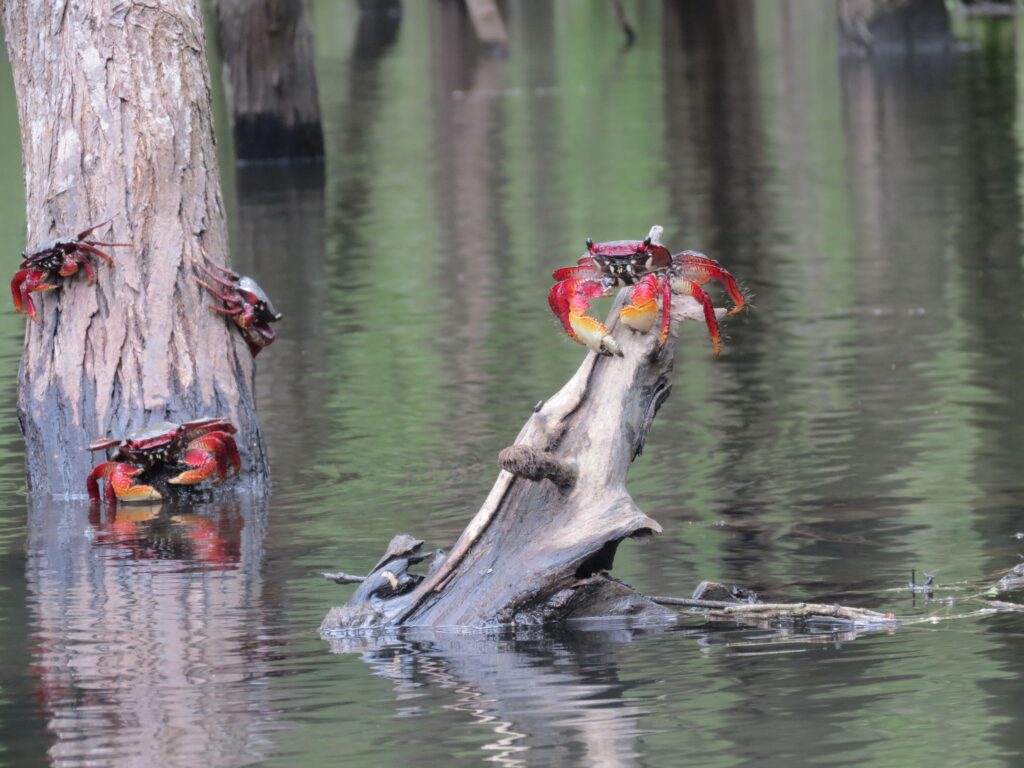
863 420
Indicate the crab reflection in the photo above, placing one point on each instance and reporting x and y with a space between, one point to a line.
204 537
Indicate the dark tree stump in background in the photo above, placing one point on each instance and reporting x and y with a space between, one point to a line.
269 79
540 547
881 26
116 120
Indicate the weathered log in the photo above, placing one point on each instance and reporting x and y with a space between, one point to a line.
540 547
116 121
269 79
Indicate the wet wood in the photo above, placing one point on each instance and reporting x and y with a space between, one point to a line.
270 80
116 121
539 548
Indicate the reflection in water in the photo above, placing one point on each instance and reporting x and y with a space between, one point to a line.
145 631
543 693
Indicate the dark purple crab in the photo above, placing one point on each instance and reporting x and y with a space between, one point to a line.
204 446
246 303
42 269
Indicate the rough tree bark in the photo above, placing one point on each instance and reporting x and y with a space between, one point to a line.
267 47
115 112
540 547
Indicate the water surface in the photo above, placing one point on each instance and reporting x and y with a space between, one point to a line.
863 420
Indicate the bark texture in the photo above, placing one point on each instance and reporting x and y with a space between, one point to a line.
115 112
269 78
540 547
880 26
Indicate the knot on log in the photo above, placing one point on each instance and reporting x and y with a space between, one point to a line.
535 464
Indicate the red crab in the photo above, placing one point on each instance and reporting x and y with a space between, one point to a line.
654 271
42 268
246 302
205 446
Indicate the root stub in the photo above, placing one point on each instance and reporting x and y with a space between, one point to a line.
535 464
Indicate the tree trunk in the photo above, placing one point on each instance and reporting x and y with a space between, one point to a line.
488 24
116 121
894 26
540 548
267 47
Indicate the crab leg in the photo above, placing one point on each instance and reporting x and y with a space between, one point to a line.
700 269
86 232
685 287
569 300
243 316
87 248
216 278
225 311
229 273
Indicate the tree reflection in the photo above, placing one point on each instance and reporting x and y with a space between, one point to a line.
144 619
546 691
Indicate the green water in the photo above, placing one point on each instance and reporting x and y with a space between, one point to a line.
863 420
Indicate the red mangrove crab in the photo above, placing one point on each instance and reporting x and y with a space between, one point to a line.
246 304
653 271
43 268
205 448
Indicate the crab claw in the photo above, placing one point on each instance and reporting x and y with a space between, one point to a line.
569 300
25 282
120 483
209 455
642 309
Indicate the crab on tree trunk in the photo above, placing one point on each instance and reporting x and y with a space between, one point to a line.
122 127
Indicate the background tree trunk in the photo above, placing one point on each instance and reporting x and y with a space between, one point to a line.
267 47
115 113
894 25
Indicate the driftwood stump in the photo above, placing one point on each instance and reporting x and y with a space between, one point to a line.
540 547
